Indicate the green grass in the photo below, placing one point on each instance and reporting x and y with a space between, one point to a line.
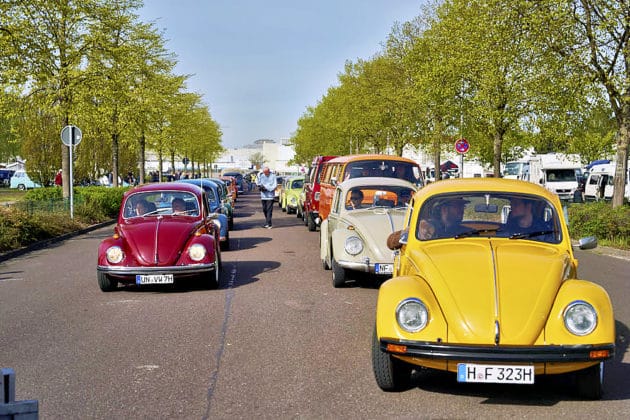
8 194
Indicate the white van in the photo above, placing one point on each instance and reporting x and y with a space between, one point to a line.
599 184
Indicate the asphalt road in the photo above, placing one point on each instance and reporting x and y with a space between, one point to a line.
275 341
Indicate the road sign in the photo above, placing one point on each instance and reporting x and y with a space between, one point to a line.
185 161
71 135
461 145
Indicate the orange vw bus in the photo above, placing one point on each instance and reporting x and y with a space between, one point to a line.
354 166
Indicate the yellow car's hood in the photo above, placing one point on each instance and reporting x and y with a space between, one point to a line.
493 291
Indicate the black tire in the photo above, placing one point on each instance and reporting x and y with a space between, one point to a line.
22 187
106 283
225 245
391 374
312 227
338 274
298 213
589 382
214 278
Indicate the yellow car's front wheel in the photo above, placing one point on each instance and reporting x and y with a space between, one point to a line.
391 374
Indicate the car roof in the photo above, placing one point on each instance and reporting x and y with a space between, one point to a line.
165 186
200 181
375 181
466 185
355 158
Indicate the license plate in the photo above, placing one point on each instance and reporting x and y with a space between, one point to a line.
154 279
497 374
384 268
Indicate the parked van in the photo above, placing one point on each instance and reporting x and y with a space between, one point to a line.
557 172
600 183
310 212
5 177
355 166
21 181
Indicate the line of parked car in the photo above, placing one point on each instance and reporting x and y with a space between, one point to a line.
478 275
169 232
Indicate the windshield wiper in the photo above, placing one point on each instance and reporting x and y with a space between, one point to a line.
531 234
475 232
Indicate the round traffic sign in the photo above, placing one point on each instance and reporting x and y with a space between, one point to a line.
461 145
71 135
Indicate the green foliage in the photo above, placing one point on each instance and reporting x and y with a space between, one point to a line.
610 225
102 200
93 64
44 214
19 228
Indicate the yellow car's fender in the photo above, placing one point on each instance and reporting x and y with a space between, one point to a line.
596 296
392 293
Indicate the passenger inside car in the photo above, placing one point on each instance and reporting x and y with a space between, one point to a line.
178 206
356 200
524 219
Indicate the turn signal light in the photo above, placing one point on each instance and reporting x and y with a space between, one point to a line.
599 354
396 348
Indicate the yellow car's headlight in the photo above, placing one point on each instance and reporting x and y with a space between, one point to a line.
197 252
580 318
353 245
412 315
114 254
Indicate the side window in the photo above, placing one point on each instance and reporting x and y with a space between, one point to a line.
593 180
337 201
326 171
334 173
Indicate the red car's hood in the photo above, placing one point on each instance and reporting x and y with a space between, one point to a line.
494 291
157 242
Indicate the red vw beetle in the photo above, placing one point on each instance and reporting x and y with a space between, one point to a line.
164 233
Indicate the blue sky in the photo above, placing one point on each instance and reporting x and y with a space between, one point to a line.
260 64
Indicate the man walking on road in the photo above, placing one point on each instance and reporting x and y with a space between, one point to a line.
267 184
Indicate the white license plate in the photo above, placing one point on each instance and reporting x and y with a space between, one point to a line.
154 279
384 268
497 374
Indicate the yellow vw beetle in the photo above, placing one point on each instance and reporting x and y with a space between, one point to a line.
485 285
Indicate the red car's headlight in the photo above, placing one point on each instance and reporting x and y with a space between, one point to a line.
197 252
114 254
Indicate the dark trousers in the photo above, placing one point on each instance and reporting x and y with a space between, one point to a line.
267 206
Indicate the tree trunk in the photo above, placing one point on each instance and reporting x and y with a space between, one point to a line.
496 155
143 145
115 160
621 169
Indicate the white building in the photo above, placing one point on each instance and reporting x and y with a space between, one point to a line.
276 156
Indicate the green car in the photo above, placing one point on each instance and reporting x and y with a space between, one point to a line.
290 194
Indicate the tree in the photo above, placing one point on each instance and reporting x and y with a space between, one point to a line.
257 159
596 43
48 44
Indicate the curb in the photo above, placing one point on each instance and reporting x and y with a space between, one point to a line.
46 242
